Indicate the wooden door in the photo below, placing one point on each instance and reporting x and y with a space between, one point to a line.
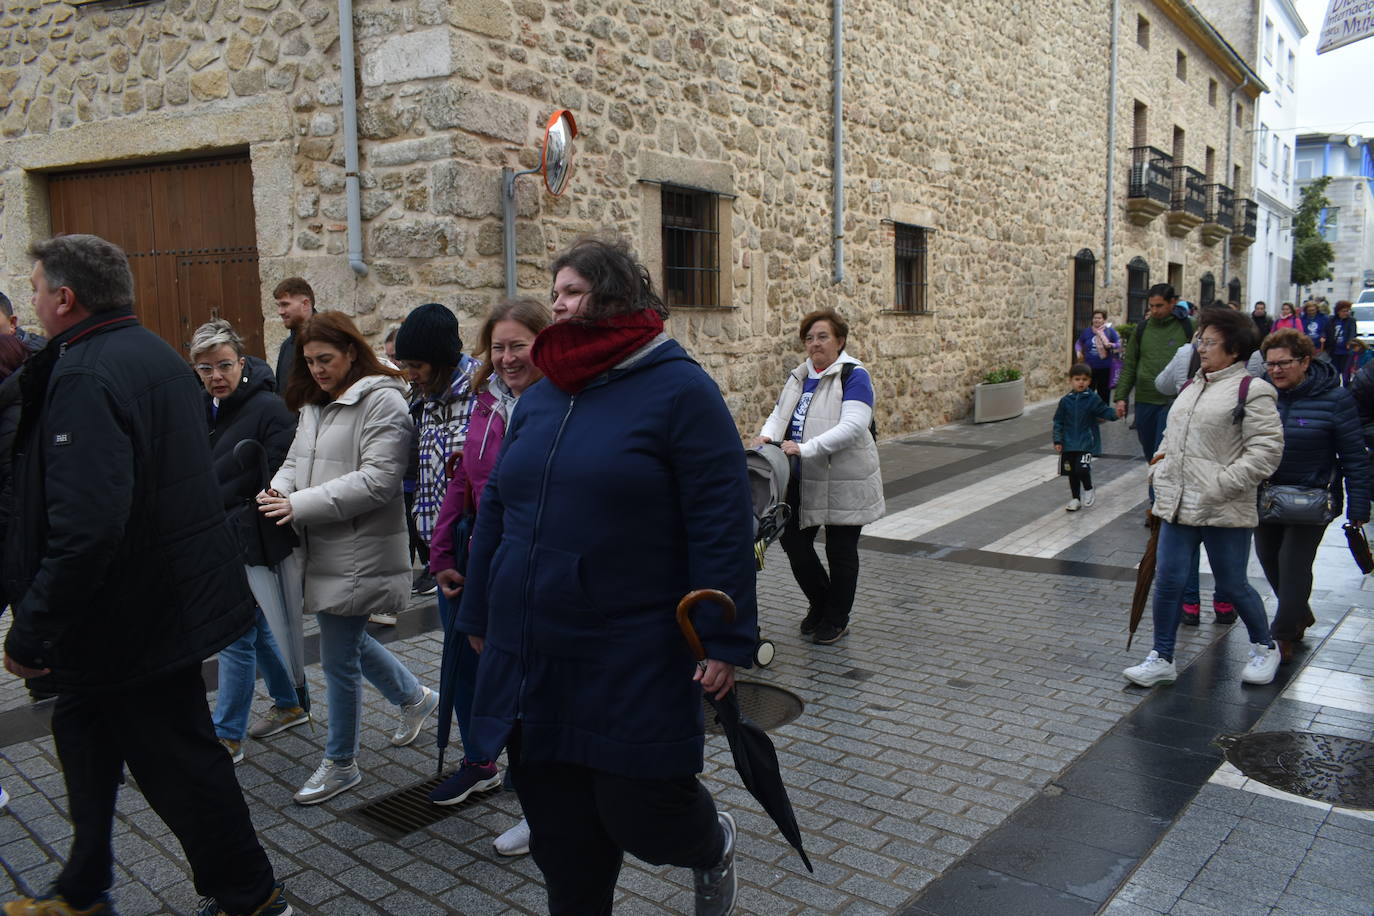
188 229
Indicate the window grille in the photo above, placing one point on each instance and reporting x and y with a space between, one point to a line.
1084 288
910 259
1137 288
691 248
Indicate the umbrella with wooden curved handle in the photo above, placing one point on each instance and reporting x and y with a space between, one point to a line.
755 758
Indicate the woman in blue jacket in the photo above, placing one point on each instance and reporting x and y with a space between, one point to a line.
620 487
1322 445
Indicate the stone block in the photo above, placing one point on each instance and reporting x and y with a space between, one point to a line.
210 84
478 112
486 17
463 189
409 56
418 239
238 52
250 82
404 152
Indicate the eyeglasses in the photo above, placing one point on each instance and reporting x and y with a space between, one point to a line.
1204 343
816 338
1280 365
223 367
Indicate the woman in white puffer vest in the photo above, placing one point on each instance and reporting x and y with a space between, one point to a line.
1224 437
823 421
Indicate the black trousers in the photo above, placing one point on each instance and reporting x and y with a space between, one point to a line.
162 730
832 593
583 821
1102 383
1287 552
1078 468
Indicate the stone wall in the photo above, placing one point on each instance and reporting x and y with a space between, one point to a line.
983 122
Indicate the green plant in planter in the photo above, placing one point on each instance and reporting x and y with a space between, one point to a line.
1125 331
1003 374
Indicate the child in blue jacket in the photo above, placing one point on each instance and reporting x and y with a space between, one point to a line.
1076 438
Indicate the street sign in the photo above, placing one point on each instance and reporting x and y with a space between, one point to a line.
1347 21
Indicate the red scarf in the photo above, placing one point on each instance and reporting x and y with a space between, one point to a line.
572 353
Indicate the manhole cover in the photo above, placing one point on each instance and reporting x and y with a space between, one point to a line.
402 812
766 706
1326 768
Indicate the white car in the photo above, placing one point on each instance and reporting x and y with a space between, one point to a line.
1363 313
1366 295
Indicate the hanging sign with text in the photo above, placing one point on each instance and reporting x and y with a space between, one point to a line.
1346 21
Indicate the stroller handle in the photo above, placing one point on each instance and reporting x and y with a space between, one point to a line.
684 616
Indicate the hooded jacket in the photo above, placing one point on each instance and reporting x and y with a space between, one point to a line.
486 430
1075 421
343 475
254 412
605 508
1212 466
118 562
1322 441
1149 350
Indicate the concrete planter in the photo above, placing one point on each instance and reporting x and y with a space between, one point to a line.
999 402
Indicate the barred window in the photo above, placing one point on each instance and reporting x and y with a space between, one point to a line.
1084 289
911 268
691 247
1137 286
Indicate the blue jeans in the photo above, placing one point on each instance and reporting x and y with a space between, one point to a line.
466 687
1192 592
239 663
347 655
1150 420
1228 550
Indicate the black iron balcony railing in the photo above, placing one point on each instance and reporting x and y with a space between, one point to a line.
1247 215
1221 205
1151 174
1190 191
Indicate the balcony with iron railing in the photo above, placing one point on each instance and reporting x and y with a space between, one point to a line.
1221 214
1188 204
1246 219
1151 184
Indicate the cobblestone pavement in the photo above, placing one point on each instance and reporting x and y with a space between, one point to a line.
979 684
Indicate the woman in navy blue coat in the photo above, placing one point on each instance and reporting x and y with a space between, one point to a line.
620 487
1322 445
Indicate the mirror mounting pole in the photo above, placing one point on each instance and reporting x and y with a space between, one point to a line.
508 176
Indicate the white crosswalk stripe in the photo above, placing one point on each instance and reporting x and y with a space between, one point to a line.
1049 534
910 524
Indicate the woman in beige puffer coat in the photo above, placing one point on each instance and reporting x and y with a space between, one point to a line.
1224 437
340 486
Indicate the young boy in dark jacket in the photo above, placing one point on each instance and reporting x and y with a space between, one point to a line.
1076 438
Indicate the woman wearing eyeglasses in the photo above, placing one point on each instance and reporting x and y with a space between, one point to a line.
822 421
1322 447
240 404
1223 438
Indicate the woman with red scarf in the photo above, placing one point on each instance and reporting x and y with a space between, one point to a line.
620 487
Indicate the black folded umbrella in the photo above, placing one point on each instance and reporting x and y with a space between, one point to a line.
1359 547
756 761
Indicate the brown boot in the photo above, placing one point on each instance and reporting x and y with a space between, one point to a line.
1286 647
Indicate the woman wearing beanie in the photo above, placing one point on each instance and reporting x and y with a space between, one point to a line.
620 487
340 486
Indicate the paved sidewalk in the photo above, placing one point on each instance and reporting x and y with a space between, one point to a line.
983 665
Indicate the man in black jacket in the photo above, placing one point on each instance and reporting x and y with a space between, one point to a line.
295 304
123 577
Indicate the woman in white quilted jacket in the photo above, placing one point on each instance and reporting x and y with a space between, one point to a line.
823 422
1224 437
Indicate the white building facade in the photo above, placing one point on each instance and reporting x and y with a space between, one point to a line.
1275 188
1348 223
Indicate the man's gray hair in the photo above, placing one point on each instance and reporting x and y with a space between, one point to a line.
215 333
96 270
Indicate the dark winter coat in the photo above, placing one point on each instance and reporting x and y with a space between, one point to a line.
604 509
1362 388
286 357
1075 421
118 561
255 412
1321 439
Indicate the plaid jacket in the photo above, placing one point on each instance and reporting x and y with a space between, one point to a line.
441 425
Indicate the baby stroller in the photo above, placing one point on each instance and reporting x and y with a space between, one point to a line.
768 470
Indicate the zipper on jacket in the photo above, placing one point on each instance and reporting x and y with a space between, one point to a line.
529 559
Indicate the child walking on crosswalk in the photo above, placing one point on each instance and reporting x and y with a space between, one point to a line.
1076 438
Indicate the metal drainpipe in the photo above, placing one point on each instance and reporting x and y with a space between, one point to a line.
837 141
350 124
1230 132
1110 229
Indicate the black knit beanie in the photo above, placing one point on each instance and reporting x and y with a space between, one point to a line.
430 335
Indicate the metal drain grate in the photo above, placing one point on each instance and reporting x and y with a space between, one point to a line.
1326 768
767 706
402 812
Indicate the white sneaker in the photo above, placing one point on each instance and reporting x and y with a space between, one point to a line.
515 841
5 801
385 620
1154 670
1072 506
329 780
1089 497
413 717
1262 666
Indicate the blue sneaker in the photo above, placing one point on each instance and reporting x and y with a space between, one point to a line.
469 778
